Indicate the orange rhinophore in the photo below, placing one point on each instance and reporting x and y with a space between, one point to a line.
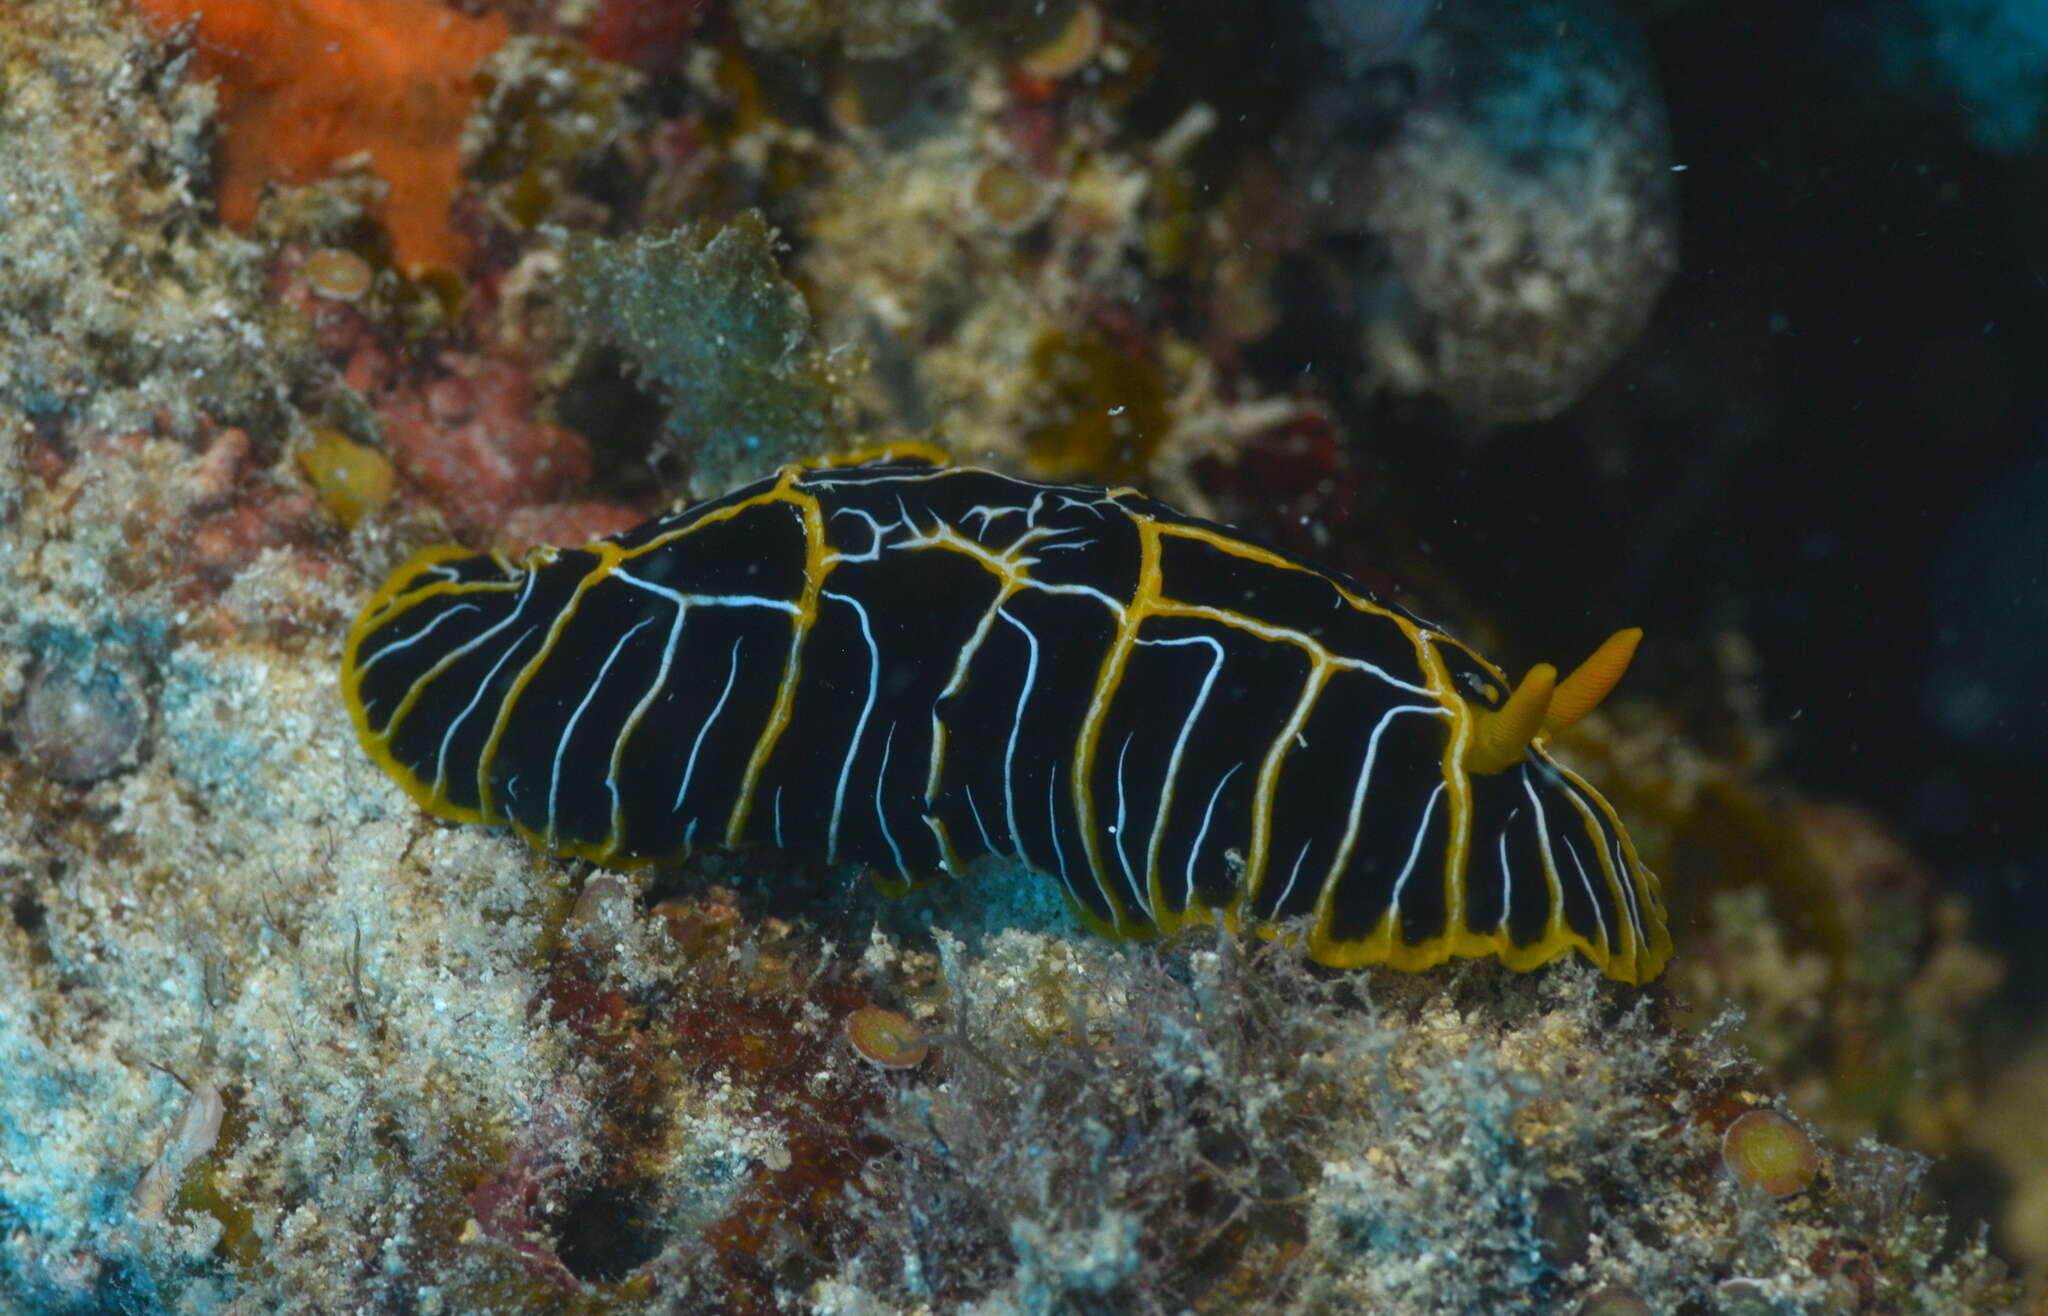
307 83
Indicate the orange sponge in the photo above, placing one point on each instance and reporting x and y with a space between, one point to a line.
305 83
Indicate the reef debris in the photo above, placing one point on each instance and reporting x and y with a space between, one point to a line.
124 306
1525 206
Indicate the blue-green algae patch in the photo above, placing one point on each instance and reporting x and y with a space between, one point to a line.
708 320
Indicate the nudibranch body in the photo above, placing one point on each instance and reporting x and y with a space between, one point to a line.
910 665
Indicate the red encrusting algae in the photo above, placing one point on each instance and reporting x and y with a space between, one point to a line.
643 33
467 436
305 84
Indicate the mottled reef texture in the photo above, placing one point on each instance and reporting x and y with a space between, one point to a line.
271 1040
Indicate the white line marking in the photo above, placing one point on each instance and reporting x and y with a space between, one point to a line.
859 728
1415 850
881 816
1583 799
1138 898
732 672
988 844
1551 874
1052 814
448 737
1364 783
423 632
450 659
1587 882
1288 890
1180 744
1017 726
1506 884
1203 832
681 599
569 730
655 689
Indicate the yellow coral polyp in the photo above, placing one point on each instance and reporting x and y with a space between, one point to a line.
1070 48
886 1038
1764 1150
352 479
1003 195
338 273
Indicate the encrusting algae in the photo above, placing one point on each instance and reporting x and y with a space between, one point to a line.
274 1040
308 85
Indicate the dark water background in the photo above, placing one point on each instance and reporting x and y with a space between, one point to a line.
1842 411
1831 439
